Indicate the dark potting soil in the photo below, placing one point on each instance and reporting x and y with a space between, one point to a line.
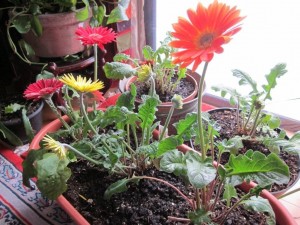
30 106
184 88
227 121
145 203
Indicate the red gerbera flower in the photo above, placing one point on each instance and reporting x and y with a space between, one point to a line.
96 35
42 88
204 33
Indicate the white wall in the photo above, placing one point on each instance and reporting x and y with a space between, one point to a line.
270 34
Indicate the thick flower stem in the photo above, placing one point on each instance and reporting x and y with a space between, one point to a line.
199 112
95 69
54 109
82 107
167 122
200 126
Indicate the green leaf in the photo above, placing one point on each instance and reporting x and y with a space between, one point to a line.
174 162
168 144
200 172
148 150
113 114
234 95
118 187
83 14
26 48
121 57
118 70
22 23
36 25
233 144
291 145
229 192
44 75
275 73
127 98
27 125
183 127
118 14
257 167
259 204
29 170
14 107
200 216
272 121
245 79
148 52
10 136
52 174
147 112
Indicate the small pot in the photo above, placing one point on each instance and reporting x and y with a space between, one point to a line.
17 127
58 38
189 103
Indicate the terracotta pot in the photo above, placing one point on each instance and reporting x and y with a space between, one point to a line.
283 217
58 38
275 193
189 103
16 125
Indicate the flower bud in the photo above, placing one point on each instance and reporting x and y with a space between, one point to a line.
144 73
177 101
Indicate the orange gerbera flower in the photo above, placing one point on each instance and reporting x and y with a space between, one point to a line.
95 35
204 33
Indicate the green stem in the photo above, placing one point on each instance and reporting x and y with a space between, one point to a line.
249 116
54 109
82 107
95 69
252 132
200 126
234 206
152 86
167 123
199 111
81 154
13 46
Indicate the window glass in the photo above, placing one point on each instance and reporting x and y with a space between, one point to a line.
270 35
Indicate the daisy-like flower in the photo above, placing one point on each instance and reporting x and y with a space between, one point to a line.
42 89
81 84
204 33
96 35
55 146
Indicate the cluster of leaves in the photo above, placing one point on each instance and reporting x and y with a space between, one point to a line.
250 107
165 74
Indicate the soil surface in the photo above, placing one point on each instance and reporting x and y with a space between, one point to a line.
227 121
145 203
184 88
29 105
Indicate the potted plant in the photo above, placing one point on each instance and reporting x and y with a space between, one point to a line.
20 120
46 24
157 70
129 157
246 124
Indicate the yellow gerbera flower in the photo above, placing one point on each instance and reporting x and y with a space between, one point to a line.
81 84
55 146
